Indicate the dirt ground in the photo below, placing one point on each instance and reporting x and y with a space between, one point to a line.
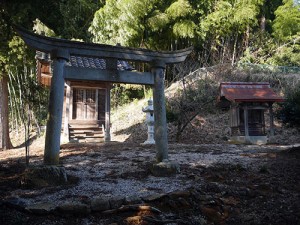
217 184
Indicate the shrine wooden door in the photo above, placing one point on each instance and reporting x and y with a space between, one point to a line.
84 104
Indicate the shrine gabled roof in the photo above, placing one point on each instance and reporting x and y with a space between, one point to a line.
249 92
86 62
97 63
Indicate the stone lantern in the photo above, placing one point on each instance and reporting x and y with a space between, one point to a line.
150 122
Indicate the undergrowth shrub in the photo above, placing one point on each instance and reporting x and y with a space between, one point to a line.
123 94
290 112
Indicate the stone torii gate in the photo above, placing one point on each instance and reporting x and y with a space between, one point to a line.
61 50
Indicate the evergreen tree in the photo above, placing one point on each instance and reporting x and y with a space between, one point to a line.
67 18
147 23
287 22
286 31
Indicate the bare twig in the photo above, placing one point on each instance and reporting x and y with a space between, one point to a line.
159 221
126 208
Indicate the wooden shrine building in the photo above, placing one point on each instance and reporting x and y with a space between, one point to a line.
86 108
90 85
248 102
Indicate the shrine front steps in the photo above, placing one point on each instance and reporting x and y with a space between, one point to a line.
86 131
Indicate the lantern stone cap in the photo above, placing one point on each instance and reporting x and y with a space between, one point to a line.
149 107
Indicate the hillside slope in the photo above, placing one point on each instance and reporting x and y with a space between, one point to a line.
128 125
128 122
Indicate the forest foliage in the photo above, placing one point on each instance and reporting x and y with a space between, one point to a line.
258 31
221 31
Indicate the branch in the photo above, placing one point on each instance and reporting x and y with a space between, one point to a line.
193 116
126 208
292 41
158 221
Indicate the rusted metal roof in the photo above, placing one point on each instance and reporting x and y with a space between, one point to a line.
249 92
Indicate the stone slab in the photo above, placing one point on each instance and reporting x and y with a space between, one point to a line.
43 176
165 168
74 207
100 204
116 202
41 208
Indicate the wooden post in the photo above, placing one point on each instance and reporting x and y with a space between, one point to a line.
97 104
111 66
246 124
52 142
160 121
263 121
67 112
5 142
71 104
107 136
271 120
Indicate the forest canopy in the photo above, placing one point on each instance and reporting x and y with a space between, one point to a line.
256 31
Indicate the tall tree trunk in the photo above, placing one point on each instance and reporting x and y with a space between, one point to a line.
263 23
246 38
234 50
5 142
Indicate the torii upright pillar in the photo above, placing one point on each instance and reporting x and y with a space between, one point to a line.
160 121
52 142
162 167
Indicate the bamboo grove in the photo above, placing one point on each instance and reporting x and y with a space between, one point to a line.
27 100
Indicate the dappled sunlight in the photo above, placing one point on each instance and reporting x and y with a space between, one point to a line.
142 217
120 137
19 153
260 93
198 121
260 155
72 152
128 122
199 164
131 134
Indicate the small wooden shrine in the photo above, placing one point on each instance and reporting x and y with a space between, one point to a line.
86 107
248 102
